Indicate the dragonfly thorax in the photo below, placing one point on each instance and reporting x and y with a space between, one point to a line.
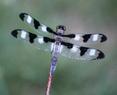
60 29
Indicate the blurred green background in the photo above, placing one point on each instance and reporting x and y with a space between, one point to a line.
24 69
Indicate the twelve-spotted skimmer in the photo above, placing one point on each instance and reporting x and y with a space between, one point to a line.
56 45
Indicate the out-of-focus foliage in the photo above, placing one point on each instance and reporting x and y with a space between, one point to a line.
24 68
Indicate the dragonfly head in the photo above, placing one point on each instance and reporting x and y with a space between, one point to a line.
60 29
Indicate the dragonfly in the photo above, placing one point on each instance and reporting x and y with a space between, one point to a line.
56 44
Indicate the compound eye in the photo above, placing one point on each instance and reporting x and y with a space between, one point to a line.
62 27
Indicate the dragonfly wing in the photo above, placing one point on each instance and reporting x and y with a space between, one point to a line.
78 52
35 23
40 42
90 38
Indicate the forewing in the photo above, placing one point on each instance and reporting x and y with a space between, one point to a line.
87 38
35 23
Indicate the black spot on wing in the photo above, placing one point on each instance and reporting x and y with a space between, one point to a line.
103 38
100 55
51 31
83 50
69 35
22 16
14 33
32 37
36 24
86 37
68 45
46 40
